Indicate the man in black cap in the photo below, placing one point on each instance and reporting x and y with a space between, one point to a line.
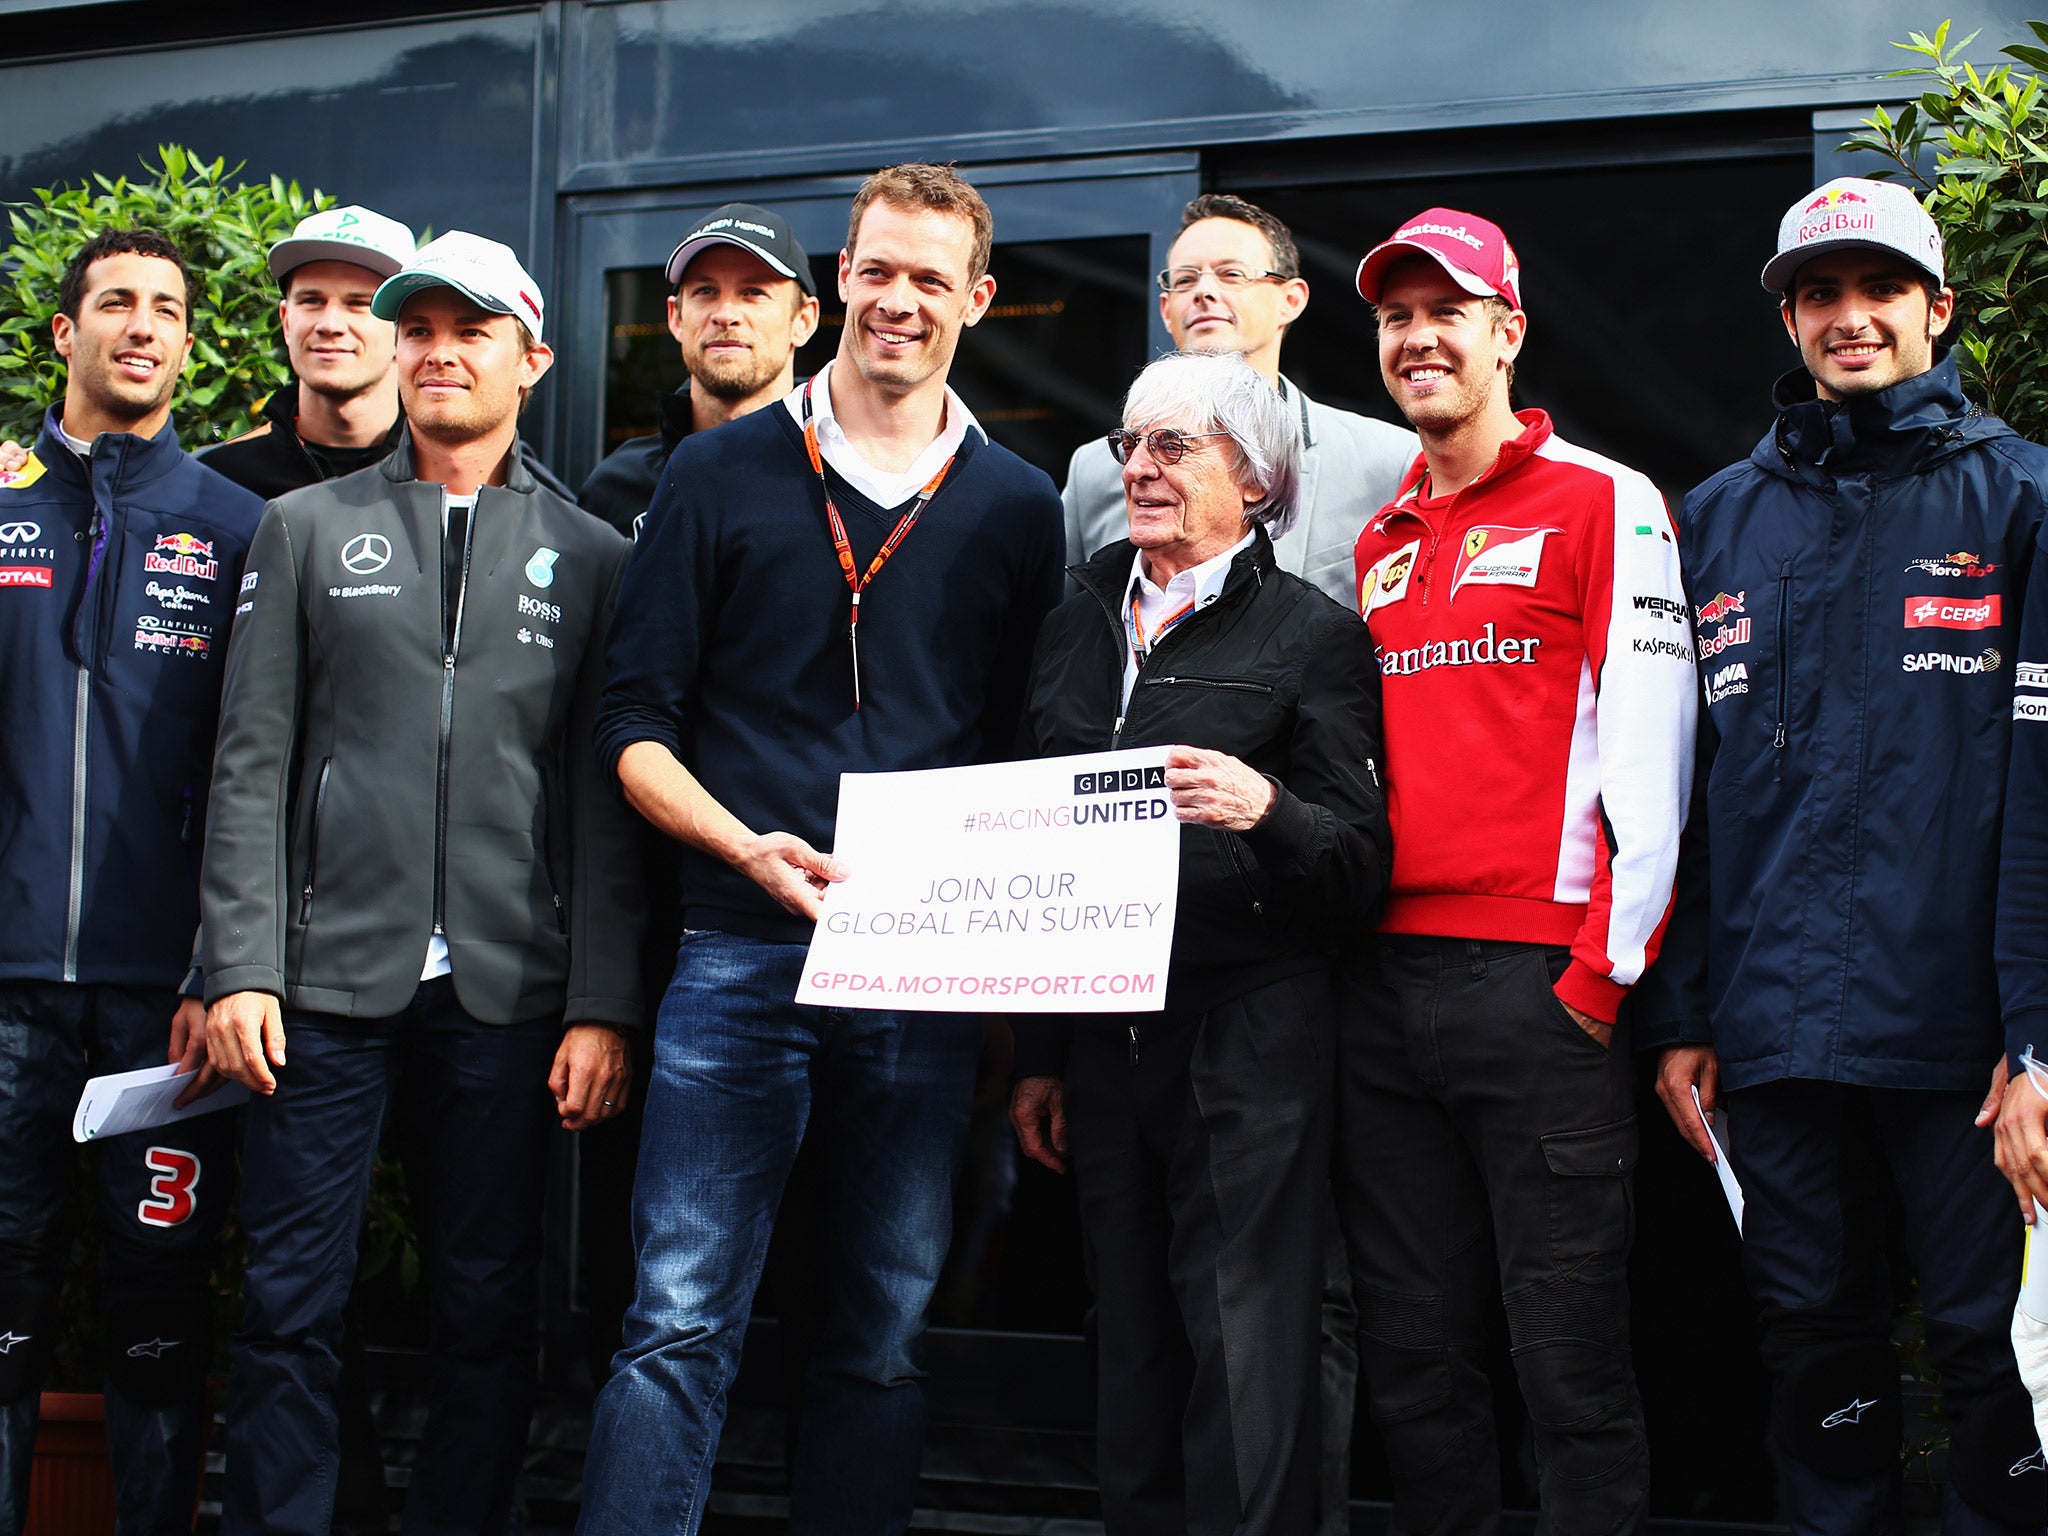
743 303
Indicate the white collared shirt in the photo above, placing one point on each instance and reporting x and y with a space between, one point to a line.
77 445
881 487
1202 584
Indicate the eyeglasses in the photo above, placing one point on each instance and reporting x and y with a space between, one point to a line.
1183 279
1167 445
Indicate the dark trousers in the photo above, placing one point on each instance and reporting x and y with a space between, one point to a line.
1200 1159
1815 1160
1486 1140
482 1119
162 1196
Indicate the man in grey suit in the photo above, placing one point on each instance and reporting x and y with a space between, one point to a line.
1233 283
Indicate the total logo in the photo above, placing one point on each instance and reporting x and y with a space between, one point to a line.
40 576
1945 613
182 554
1961 563
1942 661
1729 681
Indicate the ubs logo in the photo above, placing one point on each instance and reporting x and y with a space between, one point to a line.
366 554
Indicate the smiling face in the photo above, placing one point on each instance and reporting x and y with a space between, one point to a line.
1182 514
1444 353
1862 321
124 350
1251 318
909 293
461 367
739 323
337 347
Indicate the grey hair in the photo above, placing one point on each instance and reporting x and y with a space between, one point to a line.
1220 391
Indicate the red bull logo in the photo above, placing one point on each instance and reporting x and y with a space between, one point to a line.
182 554
196 643
1721 607
1833 197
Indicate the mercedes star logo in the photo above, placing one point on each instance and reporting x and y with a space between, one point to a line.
20 533
366 554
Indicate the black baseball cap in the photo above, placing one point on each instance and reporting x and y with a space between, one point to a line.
753 229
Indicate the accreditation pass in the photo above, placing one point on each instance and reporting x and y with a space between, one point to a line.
1037 887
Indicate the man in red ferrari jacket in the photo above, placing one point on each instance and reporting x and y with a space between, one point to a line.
1536 654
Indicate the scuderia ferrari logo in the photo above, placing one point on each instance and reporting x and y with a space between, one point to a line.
1494 556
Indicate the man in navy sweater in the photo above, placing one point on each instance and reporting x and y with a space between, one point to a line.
745 679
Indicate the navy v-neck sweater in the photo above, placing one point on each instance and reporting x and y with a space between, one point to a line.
729 644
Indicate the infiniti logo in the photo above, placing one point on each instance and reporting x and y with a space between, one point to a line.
366 553
20 533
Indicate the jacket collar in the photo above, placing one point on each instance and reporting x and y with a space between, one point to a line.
121 463
400 466
1905 428
1107 573
281 410
1517 451
673 412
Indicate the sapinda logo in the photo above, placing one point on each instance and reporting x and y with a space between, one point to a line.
1949 613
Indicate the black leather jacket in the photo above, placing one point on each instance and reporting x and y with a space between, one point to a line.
1273 673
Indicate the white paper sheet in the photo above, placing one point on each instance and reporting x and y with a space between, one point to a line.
1729 1187
1039 887
141 1100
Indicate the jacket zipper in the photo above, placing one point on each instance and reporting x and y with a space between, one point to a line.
1244 874
1232 685
1784 665
1117 731
313 843
81 712
547 851
447 726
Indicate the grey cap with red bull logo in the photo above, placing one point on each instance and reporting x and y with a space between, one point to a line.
1853 211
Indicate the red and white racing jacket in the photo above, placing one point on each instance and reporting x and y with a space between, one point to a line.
1537 672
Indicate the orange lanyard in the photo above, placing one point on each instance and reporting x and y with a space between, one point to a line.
844 547
1141 644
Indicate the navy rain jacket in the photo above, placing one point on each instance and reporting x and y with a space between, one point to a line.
1856 585
118 580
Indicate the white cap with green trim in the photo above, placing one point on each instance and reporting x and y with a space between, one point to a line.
350 234
481 269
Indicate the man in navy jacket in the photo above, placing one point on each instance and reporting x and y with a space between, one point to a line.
1828 978
119 560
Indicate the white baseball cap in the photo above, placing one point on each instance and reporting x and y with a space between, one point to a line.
1852 211
482 270
350 234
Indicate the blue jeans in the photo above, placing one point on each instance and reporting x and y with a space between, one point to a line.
741 1072
477 1119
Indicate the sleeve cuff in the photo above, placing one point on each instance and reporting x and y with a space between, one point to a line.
1285 841
243 978
2026 1027
622 1014
1589 992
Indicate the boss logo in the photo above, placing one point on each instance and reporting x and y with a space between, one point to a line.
534 608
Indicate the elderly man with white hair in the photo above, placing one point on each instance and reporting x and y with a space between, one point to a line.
1200 1135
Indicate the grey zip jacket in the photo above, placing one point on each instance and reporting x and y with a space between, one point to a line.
372 785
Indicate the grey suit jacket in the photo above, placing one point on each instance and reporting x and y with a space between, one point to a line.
1351 466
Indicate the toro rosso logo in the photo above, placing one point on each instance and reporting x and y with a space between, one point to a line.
182 554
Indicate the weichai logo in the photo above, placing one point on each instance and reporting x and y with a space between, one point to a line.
1949 613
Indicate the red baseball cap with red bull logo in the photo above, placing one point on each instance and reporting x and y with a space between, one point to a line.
483 270
1472 250
1851 211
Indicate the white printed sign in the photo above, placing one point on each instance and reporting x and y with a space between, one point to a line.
1040 887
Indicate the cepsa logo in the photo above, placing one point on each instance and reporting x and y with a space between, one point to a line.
182 554
1944 613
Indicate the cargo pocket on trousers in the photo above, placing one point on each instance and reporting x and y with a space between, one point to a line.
1592 1207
